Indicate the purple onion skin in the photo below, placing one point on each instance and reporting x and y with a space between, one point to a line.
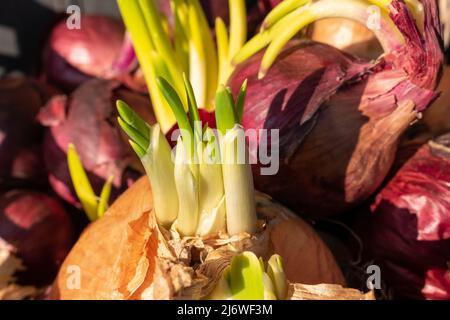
340 119
60 73
214 9
38 227
75 56
410 237
88 118
256 11
268 4
20 135
92 49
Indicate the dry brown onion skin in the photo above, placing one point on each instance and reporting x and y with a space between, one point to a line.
117 255
9 265
326 292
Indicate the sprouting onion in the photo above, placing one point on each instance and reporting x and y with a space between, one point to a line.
291 16
187 46
283 25
247 279
275 270
94 206
154 151
211 182
237 175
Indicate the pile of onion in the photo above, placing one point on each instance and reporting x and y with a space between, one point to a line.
175 238
410 236
102 49
305 90
20 134
328 105
87 118
339 119
39 232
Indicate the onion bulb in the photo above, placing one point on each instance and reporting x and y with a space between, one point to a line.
179 248
99 48
75 55
20 135
329 105
410 236
86 118
151 259
39 231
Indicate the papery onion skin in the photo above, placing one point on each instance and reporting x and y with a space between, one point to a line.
340 119
60 73
20 135
92 49
126 263
88 118
305 76
410 237
99 49
39 229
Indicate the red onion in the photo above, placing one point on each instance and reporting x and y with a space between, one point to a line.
20 134
88 119
340 119
27 168
214 9
100 48
410 236
39 230
94 48
59 72
256 11
437 117
268 4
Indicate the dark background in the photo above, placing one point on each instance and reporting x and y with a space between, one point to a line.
25 24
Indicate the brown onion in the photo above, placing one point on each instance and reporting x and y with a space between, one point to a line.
347 35
131 260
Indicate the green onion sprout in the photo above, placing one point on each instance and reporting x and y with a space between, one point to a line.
247 279
93 206
156 156
187 49
209 188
